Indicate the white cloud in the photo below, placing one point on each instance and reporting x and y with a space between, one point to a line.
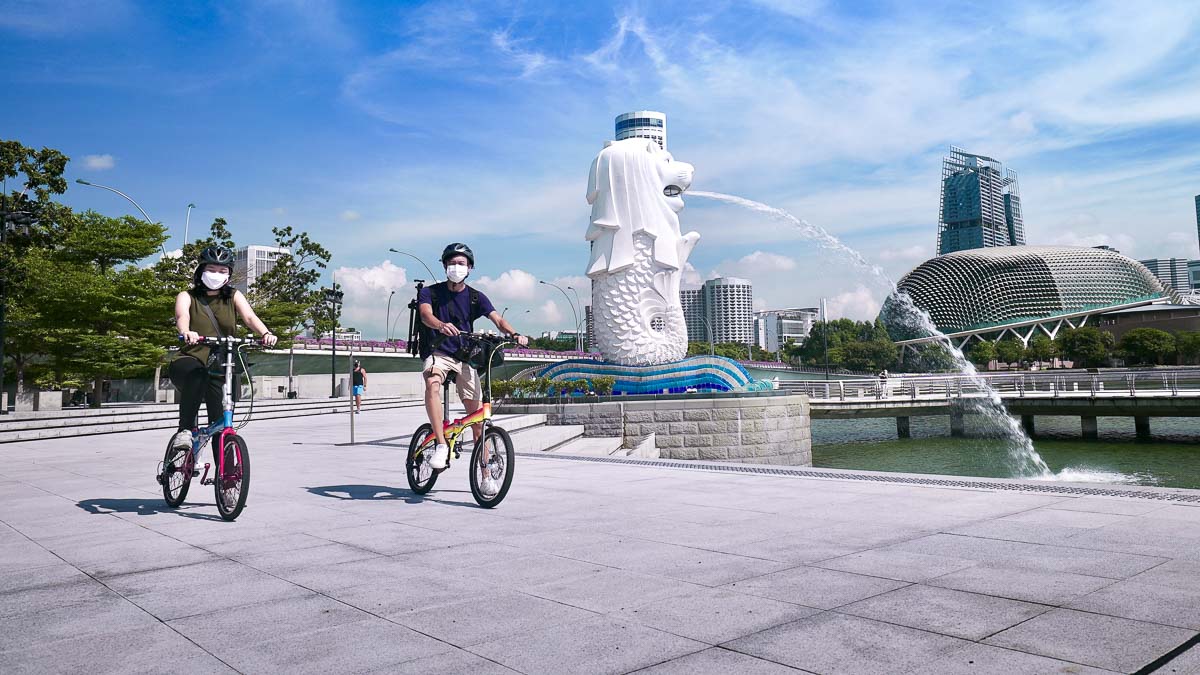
99 162
512 286
551 314
349 216
279 211
859 304
906 254
367 289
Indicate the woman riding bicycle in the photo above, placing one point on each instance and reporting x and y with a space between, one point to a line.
209 309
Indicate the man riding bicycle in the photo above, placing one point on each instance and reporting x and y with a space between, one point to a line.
447 309
210 309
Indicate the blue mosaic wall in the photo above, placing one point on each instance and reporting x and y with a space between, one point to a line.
702 373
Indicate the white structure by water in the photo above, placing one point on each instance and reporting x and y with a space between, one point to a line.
638 252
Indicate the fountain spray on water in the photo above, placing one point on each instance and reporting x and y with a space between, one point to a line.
1024 459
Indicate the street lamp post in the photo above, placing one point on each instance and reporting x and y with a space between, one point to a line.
712 350
825 334
579 343
504 312
333 298
139 207
573 312
431 274
388 317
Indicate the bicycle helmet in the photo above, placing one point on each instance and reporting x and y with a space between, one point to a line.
458 249
217 255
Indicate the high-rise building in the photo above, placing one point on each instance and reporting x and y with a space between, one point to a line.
589 327
1194 274
724 305
1198 217
980 204
775 328
1172 272
251 262
643 124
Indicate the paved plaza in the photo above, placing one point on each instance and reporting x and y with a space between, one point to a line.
587 567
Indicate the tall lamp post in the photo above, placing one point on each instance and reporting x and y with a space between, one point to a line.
333 298
431 274
11 222
139 207
825 334
387 321
582 319
712 350
573 312
187 221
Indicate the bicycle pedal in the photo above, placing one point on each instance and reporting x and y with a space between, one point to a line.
195 473
158 479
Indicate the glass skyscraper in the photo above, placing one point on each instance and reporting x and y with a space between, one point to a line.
980 204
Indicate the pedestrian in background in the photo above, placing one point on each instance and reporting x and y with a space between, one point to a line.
360 385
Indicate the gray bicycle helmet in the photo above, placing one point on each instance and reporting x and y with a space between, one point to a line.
212 255
458 249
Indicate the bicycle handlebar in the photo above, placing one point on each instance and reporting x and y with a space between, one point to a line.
218 341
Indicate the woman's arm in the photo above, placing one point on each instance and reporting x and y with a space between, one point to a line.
183 318
245 311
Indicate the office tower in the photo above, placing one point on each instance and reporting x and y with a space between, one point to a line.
1172 272
251 262
776 328
643 124
980 204
729 306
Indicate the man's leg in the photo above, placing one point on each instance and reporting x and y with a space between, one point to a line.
472 406
433 403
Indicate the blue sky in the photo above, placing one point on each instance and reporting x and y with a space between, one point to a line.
414 124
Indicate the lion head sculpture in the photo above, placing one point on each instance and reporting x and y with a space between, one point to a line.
635 186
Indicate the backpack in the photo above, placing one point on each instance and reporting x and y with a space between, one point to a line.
427 339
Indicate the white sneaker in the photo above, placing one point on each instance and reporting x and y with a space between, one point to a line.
489 486
438 458
182 440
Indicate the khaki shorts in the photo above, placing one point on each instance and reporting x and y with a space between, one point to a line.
467 381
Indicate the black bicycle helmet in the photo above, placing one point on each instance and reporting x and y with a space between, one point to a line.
458 249
217 255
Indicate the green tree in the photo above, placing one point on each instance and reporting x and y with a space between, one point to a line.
871 356
1041 348
982 353
1188 344
287 296
99 315
1147 346
932 358
1010 350
1087 346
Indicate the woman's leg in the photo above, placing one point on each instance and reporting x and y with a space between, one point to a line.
191 378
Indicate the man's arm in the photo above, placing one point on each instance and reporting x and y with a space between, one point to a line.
506 327
443 327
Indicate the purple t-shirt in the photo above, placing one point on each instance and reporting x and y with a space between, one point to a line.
454 308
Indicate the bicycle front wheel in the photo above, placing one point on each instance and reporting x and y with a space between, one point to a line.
421 476
492 467
176 474
233 484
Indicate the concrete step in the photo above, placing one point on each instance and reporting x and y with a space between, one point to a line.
131 413
593 447
544 438
168 419
514 423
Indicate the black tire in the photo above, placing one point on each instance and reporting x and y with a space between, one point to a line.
176 474
501 458
233 487
421 476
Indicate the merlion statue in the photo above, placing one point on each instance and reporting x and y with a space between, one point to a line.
638 254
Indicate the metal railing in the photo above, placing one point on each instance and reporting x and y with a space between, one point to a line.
1075 384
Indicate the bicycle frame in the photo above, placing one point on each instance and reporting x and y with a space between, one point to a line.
223 428
451 430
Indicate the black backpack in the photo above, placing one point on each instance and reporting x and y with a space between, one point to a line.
427 339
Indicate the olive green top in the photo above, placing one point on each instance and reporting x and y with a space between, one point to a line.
226 314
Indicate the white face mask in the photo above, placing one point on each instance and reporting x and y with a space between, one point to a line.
214 280
457 273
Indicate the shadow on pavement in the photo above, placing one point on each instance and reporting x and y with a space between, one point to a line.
142 507
378 492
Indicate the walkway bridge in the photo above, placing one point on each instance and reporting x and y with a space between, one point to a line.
1117 393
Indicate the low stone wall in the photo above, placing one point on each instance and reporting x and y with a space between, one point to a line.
760 429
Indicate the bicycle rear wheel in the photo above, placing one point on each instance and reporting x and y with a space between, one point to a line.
492 459
421 476
176 474
233 485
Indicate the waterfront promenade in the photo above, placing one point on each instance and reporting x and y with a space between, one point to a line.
589 566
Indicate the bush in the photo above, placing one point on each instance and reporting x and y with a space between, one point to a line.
604 384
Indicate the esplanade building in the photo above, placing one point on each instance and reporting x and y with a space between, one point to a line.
1018 291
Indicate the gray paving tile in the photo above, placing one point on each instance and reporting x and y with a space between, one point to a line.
19 579
184 591
148 649
940 610
454 662
1069 518
530 570
717 660
379 570
1145 602
611 590
1033 556
1013 530
899 565
393 538
106 614
411 594
600 645
1107 642
279 562
836 643
980 659
1018 583
815 587
489 614
1119 506
797 549
41 598
349 647
714 615
249 625
1187 663
680 562
1181 574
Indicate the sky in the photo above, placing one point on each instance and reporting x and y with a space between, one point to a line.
374 125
